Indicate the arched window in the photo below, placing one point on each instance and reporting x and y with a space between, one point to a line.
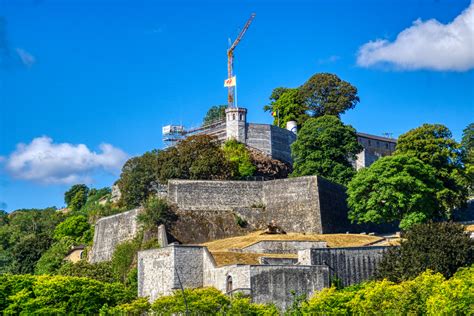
240 117
228 285
233 117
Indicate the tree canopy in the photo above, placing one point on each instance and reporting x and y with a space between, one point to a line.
197 157
214 114
467 143
325 146
322 94
441 247
76 196
327 94
395 188
433 144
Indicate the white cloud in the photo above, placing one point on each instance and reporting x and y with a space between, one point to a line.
426 45
48 162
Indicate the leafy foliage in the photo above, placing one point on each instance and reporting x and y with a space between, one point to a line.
287 106
433 144
209 301
76 196
28 294
440 247
428 294
139 174
215 114
155 213
75 227
239 156
197 157
467 144
24 236
395 188
100 271
52 259
322 94
327 94
325 147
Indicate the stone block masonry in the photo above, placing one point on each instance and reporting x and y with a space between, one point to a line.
305 204
159 269
350 265
110 231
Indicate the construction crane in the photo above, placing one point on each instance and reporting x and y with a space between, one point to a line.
230 82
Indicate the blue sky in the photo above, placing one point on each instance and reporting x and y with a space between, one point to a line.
75 75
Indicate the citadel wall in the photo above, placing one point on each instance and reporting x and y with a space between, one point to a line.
351 265
110 231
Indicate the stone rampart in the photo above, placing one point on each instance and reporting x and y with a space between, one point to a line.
110 231
274 283
214 195
350 265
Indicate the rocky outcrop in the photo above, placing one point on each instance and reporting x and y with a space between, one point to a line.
268 167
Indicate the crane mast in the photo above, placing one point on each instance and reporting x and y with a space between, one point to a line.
230 61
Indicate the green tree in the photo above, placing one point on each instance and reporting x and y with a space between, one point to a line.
467 144
58 295
75 227
76 196
395 188
197 157
325 147
441 247
100 271
327 94
238 155
138 177
214 114
52 259
287 106
433 144
155 213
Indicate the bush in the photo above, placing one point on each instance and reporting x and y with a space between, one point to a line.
76 196
155 213
53 258
441 247
28 294
138 307
209 301
239 157
100 271
124 257
428 294
75 227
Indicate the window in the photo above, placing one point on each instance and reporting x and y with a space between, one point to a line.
386 145
370 143
240 117
228 285
233 117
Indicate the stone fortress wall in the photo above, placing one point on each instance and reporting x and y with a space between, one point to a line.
308 204
160 271
305 204
111 231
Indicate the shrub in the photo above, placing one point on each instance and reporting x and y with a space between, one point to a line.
209 301
74 227
441 247
53 258
239 157
28 294
428 294
155 213
100 271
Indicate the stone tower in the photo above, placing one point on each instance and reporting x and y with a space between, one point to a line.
236 119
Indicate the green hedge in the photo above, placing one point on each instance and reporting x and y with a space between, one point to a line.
29 294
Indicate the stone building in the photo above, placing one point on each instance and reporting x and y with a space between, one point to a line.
276 141
162 271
